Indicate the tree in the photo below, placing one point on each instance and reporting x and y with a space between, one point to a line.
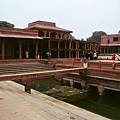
96 36
6 24
71 37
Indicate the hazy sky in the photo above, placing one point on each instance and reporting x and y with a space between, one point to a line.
83 17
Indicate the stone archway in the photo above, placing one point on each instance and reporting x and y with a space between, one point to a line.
53 35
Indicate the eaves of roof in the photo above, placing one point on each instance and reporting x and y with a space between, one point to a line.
48 28
19 36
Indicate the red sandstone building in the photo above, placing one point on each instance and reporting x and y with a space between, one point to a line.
110 44
39 37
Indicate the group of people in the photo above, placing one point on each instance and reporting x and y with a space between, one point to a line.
116 57
90 55
48 55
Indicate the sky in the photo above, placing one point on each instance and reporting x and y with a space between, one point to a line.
83 17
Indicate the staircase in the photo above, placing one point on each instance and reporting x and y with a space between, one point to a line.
6 69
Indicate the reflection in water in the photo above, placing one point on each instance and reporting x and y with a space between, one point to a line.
108 105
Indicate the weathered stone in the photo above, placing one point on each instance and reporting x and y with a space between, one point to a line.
68 94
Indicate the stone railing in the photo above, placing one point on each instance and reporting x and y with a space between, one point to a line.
69 62
91 64
104 65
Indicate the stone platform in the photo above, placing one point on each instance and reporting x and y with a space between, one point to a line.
15 104
67 94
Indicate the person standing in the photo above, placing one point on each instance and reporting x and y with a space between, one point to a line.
113 57
91 55
95 55
49 54
40 55
27 54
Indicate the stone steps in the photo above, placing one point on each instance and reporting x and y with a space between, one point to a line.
23 68
15 104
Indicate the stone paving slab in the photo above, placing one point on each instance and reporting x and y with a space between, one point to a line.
15 104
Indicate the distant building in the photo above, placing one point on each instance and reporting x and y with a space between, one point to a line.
40 37
110 44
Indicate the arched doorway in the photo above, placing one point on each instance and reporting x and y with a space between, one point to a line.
53 35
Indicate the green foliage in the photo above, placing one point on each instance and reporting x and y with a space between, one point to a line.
71 37
6 24
96 36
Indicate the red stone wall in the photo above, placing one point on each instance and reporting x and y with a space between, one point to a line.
105 38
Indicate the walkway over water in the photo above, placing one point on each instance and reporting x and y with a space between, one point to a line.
32 70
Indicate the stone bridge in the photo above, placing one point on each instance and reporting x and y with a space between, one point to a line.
103 74
27 73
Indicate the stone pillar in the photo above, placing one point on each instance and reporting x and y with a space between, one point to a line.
71 82
58 79
36 51
85 86
65 49
49 33
101 90
49 44
70 49
28 88
3 50
61 35
27 82
45 33
76 50
68 36
20 50
58 48
58 44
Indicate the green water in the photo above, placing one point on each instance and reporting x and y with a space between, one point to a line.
108 105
